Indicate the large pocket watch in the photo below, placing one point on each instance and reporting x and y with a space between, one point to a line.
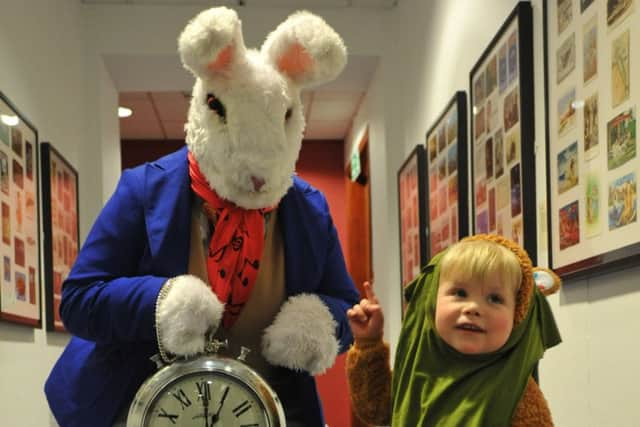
207 391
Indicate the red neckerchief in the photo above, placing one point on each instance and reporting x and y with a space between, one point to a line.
235 248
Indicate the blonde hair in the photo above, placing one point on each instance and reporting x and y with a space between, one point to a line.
480 259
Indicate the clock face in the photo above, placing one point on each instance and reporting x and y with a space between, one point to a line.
206 399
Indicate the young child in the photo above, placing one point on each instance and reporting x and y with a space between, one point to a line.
474 329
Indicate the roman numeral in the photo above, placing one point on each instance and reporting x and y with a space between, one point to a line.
241 408
170 417
204 390
182 398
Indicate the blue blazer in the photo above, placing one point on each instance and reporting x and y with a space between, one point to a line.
141 239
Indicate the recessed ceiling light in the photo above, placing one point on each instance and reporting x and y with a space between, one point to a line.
124 112
9 120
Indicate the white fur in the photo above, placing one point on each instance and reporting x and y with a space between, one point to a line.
543 279
302 336
255 140
189 311
206 35
257 89
318 39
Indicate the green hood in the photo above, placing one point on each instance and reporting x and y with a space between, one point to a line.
435 385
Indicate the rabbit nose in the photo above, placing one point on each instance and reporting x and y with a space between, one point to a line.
257 183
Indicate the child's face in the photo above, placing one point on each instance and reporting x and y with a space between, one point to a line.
472 316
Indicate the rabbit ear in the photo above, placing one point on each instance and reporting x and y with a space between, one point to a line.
212 42
295 62
306 49
546 280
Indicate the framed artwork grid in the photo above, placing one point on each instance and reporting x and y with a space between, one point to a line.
411 196
61 232
446 177
591 49
502 134
20 299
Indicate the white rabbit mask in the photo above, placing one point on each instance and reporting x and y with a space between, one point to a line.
245 120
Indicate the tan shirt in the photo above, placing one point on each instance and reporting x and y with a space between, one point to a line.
266 297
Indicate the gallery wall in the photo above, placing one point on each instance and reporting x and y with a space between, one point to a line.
590 378
48 75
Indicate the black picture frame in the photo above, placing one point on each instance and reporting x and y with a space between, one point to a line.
593 224
446 176
20 294
412 216
60 208
502 134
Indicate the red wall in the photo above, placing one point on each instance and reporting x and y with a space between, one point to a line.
320 164
136 152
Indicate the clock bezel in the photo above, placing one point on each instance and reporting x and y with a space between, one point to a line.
206 364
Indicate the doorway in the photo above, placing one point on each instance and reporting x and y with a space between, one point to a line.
358 213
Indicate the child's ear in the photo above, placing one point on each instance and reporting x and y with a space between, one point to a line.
546 280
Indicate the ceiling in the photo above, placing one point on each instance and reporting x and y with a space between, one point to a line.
328 109
315 4
160 115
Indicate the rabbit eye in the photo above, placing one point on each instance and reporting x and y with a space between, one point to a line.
288 114
216 105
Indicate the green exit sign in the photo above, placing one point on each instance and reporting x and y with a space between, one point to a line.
355 165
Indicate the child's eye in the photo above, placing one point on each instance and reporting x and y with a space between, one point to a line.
496 299
460 293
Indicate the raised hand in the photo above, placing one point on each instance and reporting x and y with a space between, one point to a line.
366 318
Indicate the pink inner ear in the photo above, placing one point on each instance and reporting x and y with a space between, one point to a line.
295 61
223 59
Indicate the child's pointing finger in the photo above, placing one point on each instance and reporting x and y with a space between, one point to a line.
369 294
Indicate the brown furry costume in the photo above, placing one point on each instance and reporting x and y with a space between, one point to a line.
369 373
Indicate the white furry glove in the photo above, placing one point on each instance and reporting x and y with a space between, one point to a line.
302 336
186 311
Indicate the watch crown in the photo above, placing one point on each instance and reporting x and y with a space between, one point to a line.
157 359
243 353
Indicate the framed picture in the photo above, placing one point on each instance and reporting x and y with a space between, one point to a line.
446 176
20 300
61 229
411 198
592 147
502 134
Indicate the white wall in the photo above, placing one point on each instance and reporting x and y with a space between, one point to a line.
44 72
591 378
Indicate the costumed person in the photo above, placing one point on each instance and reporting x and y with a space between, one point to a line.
221 231
475 327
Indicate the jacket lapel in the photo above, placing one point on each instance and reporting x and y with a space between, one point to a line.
167 202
